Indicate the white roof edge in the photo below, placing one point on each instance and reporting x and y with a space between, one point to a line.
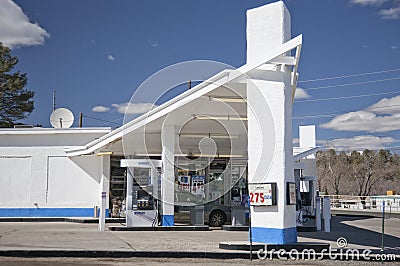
44 131
304 153
117 133
223 77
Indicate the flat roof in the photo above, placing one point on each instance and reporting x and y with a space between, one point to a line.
44 131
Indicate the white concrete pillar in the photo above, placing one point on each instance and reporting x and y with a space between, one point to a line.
270 148
307 137
168 136
326 213
104 188
228 184
154 181
129 188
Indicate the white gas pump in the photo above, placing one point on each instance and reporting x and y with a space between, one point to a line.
307 205
142 191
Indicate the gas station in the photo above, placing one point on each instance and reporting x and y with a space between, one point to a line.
219 153
218 157
245 131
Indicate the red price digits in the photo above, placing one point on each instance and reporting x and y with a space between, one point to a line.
256 197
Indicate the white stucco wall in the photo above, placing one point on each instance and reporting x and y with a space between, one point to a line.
38 179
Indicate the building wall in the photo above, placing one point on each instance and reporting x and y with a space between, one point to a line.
40 180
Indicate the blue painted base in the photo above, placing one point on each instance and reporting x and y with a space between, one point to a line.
167 220
47 212
274 235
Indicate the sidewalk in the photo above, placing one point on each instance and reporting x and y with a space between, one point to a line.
52 238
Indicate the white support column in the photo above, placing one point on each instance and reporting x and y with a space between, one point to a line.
228 184
104 188
326 213
168 136
154 181
129 188
270 150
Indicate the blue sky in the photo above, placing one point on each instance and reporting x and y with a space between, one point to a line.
95 53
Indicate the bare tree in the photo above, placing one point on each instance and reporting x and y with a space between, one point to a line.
358 173
332 169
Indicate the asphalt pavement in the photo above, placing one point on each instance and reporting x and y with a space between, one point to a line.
66 239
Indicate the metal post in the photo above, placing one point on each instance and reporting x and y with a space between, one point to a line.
80 119
102 218
383 229
54 100
318 213
250 234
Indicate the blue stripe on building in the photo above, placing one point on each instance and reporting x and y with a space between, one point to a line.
48 212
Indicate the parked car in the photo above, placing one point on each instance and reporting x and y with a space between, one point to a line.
214 214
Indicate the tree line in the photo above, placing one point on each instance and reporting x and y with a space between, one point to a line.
356 173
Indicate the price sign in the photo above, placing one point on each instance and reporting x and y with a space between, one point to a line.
262 194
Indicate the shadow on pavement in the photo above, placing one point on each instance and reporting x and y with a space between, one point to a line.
359 236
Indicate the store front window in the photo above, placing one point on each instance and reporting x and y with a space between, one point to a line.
222 181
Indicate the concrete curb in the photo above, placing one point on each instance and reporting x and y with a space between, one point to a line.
170 254
123 254
299 247
161 228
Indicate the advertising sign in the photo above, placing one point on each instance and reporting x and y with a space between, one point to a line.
262 194
184 183
198 185
291 192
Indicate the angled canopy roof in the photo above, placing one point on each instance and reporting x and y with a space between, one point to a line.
191 103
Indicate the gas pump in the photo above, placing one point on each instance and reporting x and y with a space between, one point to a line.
306 200
142 191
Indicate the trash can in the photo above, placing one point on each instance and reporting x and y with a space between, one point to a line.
197 215
238 215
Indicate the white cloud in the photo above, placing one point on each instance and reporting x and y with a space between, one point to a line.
133 108
368 2
386 106
358 143
391 13
301 94
111 58
100 109
364 121
382 116
15 28
394 47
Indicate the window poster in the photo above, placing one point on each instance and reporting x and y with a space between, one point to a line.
184 183
198 185
291 192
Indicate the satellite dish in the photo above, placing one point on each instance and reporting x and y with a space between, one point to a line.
62 118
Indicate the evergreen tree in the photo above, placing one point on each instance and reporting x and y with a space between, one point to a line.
16 102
